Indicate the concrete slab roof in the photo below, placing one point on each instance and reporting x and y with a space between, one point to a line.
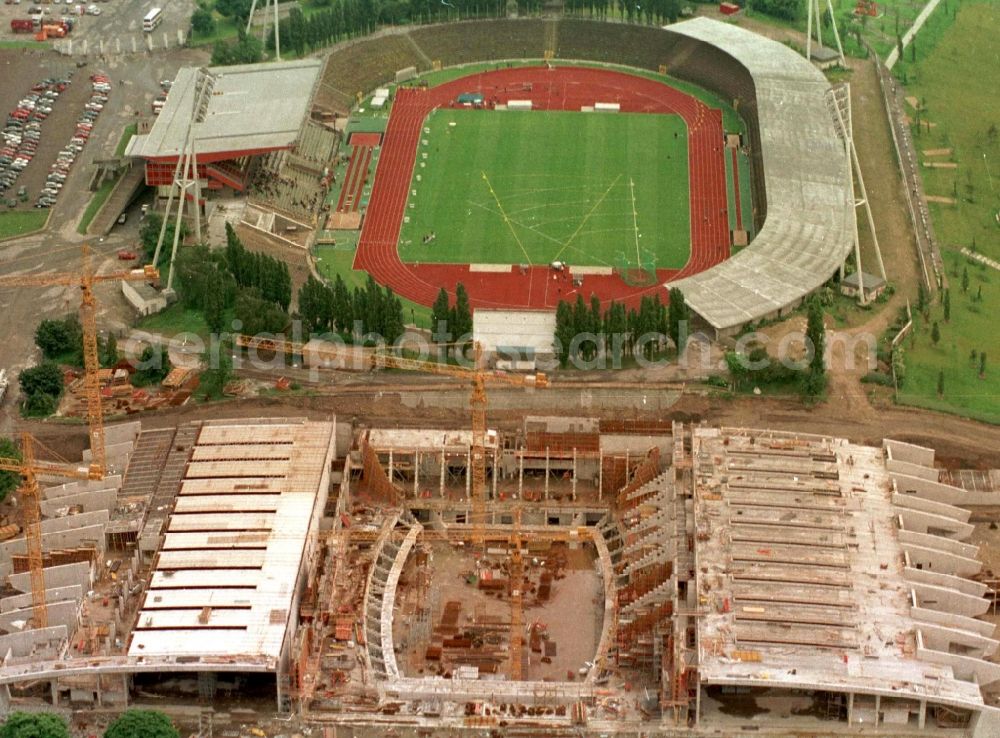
251 107
802 559
430 440
810 219
531 330
225 577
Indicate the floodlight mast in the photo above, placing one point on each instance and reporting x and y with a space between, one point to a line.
815 12
277 33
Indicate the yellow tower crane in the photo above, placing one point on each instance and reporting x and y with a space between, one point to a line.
382 358
29 469
85 279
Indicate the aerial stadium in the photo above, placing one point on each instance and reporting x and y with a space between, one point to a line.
708 158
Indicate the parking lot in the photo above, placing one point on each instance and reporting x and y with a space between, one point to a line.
58 127
117 30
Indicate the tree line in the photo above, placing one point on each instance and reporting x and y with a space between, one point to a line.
61 343
650 12
584 331
451 322
130 724
256 287
370 310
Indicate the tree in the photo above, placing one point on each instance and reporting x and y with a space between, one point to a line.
9 481
921 297
57 338
678 314
142 724
44 379
940 384
34 725
564 331
203 22
315 305
461 313
247 49
965 279
153 367
233 8
109 351
816 334
935 333
440 313
259 315
947 305
218 373
214 301
149 234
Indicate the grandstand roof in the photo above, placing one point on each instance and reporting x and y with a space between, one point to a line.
252 107
225 577
810 220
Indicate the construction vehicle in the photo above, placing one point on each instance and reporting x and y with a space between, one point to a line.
85 279
30 469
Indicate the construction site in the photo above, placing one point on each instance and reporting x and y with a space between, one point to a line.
578 575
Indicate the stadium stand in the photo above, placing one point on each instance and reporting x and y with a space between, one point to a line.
798 155
801 197
363 65
293 182
472 41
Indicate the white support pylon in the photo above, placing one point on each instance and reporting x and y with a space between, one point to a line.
815 15
185 178
277 34
839 100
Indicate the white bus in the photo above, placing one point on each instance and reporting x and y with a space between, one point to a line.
152 19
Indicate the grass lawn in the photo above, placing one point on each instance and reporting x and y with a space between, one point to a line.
894 16
955 82
130 130
972 328
174 320
225 29
331 261
18 222
533 187
96 201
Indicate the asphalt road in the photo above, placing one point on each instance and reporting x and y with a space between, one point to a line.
135 82
119 25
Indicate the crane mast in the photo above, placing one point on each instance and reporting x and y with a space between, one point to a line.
92 366
30 498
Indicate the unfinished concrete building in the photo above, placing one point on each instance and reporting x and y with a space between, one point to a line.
732 580
185 578
645 576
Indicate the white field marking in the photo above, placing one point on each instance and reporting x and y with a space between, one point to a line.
587 217
635 221
506 219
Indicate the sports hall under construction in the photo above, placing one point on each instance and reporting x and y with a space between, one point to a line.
650 576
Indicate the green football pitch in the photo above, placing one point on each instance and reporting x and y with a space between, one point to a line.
533 187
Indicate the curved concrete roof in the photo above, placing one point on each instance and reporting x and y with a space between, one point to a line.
810 221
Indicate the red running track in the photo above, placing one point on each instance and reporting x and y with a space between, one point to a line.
561 88
354 179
